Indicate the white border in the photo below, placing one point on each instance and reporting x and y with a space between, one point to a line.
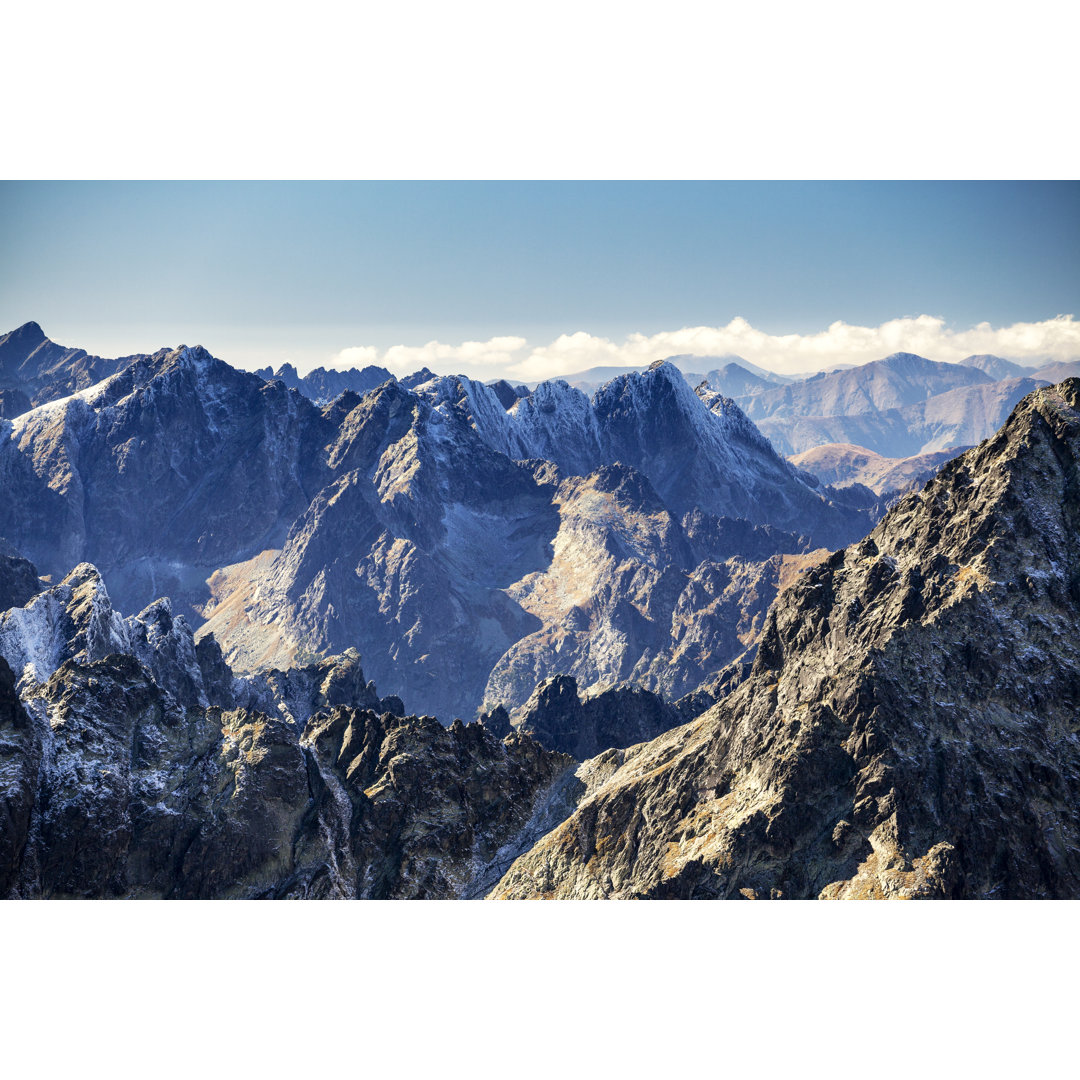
583 89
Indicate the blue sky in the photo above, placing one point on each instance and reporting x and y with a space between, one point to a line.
267 271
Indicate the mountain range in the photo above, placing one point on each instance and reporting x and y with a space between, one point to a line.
698 669
909 725
906 729
468 550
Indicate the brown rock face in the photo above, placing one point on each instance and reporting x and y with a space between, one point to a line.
909 728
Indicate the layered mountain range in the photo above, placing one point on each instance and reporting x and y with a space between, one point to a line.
906 728
468 549
843 465
901 406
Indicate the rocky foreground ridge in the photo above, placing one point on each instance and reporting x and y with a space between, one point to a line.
133 763
910 727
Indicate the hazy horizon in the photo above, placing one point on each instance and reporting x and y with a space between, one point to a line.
531 280
517 360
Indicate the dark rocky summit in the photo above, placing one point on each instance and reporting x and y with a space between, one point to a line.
559 719
35 370
909 728
18 578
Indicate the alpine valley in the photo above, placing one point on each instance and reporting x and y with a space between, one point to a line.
349 635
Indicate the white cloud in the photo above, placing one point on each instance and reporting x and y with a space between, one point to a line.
840 343
486 358
357 357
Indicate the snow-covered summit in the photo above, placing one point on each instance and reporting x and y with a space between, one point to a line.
72 620
696 449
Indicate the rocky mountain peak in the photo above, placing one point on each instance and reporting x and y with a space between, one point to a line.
904 359
996 367
417 378
72 620
559 718
29 336
908 721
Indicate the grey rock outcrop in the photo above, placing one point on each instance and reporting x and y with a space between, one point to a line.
18 578
35 370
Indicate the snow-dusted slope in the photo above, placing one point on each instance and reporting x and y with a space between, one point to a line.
35 370
160 473
72 620
694 451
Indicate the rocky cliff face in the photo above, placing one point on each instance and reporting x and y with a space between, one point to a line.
695 452
134 764
557 717
404 556
18 578
631 597
909 727
161 473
